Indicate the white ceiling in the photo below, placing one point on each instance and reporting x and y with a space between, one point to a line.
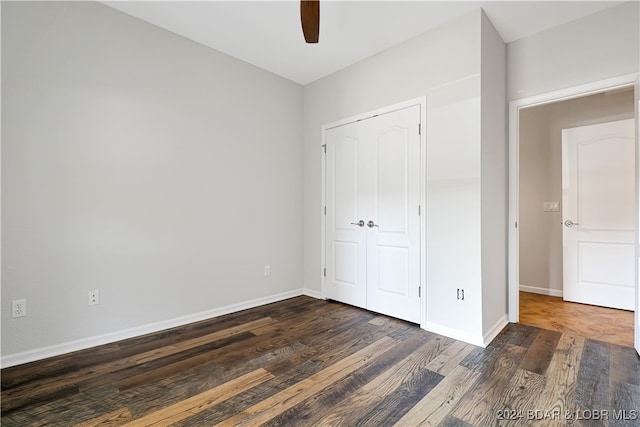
268 33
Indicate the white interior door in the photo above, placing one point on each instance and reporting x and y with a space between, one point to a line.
346 275
598 180
393 240
372 221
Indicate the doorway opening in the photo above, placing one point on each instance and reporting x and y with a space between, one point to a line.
536 211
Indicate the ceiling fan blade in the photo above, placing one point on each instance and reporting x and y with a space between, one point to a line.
310 17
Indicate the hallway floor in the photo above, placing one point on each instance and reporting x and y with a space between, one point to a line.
598 323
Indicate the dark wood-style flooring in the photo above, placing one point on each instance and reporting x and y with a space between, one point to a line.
307 362
599 323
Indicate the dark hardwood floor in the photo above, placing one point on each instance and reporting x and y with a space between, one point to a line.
307 362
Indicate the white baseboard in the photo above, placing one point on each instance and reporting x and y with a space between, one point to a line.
495 330
82 344
311 293
454 333
541 291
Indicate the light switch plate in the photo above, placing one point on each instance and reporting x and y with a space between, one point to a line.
551 206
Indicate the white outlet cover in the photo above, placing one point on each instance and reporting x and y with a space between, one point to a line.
551 206
18 308
94 297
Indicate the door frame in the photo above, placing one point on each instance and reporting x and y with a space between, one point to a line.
422 103
628 80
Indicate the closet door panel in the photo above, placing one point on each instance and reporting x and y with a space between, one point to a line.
393 241
345 239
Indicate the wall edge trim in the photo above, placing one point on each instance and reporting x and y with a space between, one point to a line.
541 290
456 334
495 330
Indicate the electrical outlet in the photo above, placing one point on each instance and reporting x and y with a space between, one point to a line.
460 294
19 308
267 270
94 297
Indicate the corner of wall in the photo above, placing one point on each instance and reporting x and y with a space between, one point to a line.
494 173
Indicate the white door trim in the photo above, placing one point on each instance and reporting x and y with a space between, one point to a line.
422 102
514 114
637 313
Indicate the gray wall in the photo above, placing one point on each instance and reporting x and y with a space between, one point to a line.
597 47
541 180
160 171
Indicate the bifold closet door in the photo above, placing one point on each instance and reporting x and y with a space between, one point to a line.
372 219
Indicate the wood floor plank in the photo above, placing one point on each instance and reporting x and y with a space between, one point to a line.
356 407
307 319
540 352
369 405
68 410
452 421
436 405
249 398
114 418
592 388
519 398
155 396
561 379
158 369
624 404
399 401
525 336
30 395
335 344
202 401
378 320
12 378
626 363
450 357
391 379
280 402
480 408
312 408
196 342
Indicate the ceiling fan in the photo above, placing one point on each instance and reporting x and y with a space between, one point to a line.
310 18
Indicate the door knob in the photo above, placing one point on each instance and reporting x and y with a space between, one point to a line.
570 223
371 224
359 223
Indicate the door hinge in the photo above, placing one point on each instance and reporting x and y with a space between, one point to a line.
419 128
419 292
325 272
419 210
324 148
516 224
325 210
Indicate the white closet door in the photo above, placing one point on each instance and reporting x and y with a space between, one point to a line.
393 199
372 219
345 240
